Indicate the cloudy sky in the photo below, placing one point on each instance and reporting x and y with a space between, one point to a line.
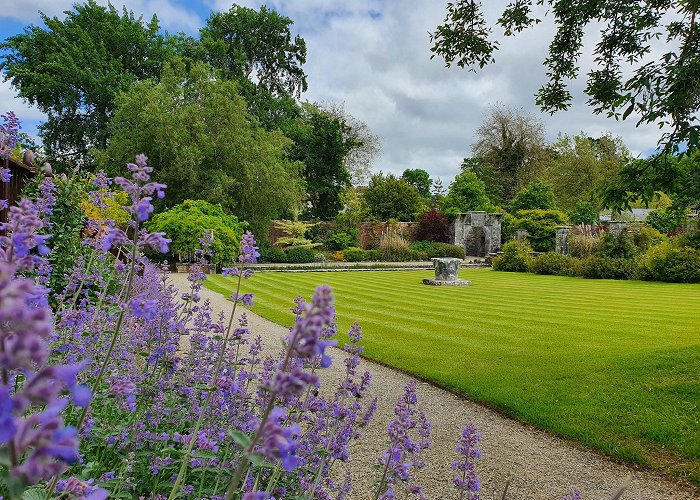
374 55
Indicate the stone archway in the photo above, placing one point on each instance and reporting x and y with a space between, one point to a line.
478 233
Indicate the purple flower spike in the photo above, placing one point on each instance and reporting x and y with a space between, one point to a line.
467 481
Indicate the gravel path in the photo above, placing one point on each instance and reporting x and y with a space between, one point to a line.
538 465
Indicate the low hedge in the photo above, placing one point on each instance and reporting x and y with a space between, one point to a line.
668 263
429 249
597 267
552 263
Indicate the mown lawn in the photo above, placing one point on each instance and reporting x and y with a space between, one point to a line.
614 365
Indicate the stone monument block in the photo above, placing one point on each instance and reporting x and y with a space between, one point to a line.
446 269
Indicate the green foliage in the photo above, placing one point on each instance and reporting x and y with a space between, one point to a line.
583 245
203 144
419 179
666 262
537 195
67 224
467 193
431 249
488 175
388 197
185 224
616 247
662 89
646 237
295 231
540 226
599 267
355 254
300 255
516 258
321 143
74 68
552 263
341 240
667 220
688 239
582 165
583 213
270 254
247 44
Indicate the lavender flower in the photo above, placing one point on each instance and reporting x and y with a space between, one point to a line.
9 132
467 481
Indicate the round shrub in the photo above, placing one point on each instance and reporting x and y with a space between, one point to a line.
540 226
583 213
597 267
354 254
373 255
340 240
552 263
300 255
668 263
269 254
688 239
516 258
447 250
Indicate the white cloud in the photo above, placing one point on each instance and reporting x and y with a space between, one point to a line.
375 56
10 102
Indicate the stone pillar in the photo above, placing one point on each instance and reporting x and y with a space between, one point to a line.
616 227
520 235
562 244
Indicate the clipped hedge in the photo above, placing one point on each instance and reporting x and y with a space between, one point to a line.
429 249
300 255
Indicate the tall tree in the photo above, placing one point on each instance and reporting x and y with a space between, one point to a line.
203 144
390 197
582 165
487 173
257 46
467 192
512 143
419 179
73 69
321 143
661 88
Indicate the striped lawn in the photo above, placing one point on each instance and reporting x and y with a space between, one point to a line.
614 365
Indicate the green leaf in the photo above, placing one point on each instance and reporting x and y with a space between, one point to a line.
38 493
240 438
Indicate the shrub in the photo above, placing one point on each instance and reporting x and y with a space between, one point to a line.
688 239
536 195
668 263
299 255
338 256
340 240
552 263
393 246
616 247
583 245
294 233
540 226
354 254
185 223
373 255
598 267
433 226
269 254
667 220
584 214
646 237
447 250
516 257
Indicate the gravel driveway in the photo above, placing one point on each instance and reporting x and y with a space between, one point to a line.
538 465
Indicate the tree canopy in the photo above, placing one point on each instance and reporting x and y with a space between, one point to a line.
73 69
390 197
203 144
628 77
467 193
256 45
511 145
419 179
537 195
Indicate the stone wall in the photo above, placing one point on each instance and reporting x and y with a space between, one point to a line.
479 233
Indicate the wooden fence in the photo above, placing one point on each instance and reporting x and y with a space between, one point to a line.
11 191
